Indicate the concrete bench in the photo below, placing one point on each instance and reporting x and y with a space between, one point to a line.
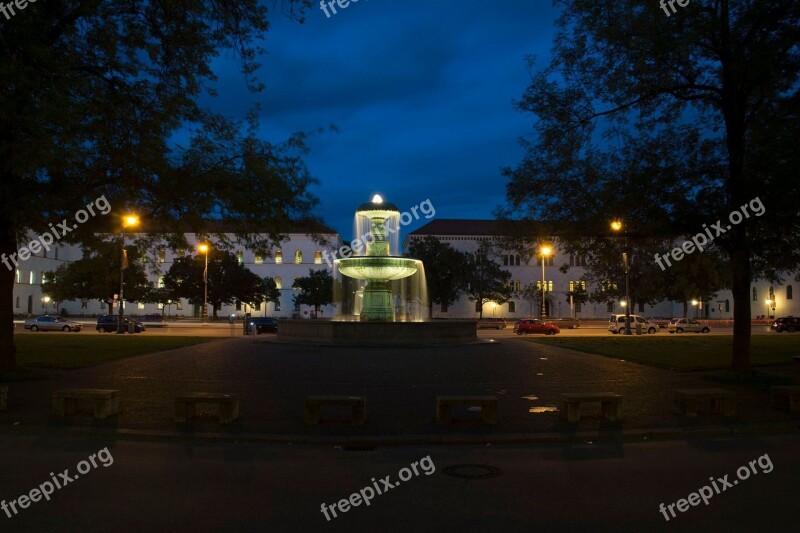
786 397
104 402
689 401
314 407
610 404
228 406
444 407
3 397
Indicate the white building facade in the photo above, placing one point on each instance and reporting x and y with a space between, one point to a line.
295 257
466 235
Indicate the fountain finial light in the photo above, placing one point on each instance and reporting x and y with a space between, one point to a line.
377 199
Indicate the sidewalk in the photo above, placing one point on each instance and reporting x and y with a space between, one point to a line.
272 381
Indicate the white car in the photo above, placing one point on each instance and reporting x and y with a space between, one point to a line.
617 324
688 325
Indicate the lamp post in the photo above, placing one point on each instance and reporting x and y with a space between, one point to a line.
769 304
127 220
545 251
204 249
616 226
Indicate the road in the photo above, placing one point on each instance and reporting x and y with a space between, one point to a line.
227 330
190 486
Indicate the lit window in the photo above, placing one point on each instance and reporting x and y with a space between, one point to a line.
279 282
44 278
277 306
259 259
140 305
512 307
32 278
240 257
549 286
755 294
298 257
278 257
19 276
160 282
162 255
317 257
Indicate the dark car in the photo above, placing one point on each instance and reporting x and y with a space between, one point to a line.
786 323
566 322
533 325
492 323
110 323
263 324
154 320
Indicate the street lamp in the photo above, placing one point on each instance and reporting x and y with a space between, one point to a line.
769 304
127 221
616 226
203 248
545 251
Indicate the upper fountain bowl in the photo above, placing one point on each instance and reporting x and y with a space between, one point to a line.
377 208
378 268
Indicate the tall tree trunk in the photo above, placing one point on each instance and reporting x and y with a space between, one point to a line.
8 246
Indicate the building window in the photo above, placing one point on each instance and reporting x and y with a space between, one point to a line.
512 306
238 305
577 285
240 257
477 306
278 282
727 306
277 306
44 278
140 305
162 255
17 302
259 260
442 308
577 307
278 257
641 307
548 262
571 261
257 306
517 286
755 294
160 282
19 276
160 306
610 307
298 257
32 277
789 291
549 286
318 257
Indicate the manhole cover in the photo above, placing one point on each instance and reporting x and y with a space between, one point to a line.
472 471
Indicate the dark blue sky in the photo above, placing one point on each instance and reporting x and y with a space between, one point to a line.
421 93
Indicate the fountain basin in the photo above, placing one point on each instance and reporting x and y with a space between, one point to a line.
380 268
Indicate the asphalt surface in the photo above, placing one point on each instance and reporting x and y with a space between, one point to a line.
584 486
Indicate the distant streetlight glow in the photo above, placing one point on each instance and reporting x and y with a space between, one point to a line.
203 248
616 226
545 251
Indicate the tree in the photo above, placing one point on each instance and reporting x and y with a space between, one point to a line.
271 291
228 280
487 281
445 270
96 277
671 123
93 96
533 295
315 289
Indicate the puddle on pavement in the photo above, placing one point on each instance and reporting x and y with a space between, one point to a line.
539 374
531 398
543 358
543 409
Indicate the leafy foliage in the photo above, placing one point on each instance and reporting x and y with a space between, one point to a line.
315 289
445 270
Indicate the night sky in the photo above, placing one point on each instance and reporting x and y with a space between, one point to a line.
421 93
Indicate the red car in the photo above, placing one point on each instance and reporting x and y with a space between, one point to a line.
533 325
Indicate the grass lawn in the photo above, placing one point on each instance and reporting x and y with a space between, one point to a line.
76 351
681 352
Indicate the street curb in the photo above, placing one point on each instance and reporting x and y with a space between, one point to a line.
355 441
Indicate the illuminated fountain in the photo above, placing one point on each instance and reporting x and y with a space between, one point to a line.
375 285
380 298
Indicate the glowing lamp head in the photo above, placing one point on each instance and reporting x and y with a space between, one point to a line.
616 225
130 220
377 199
546 251
203 248
694 302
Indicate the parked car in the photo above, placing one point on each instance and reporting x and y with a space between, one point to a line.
109 323
786 323
154 319
687 325
660 321
51 323
492 323
534 325
566 322
617 324
263 324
